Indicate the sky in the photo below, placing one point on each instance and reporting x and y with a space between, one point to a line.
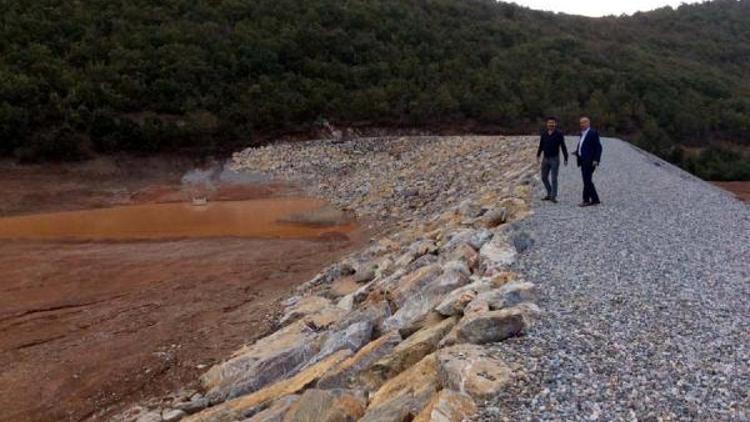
599 7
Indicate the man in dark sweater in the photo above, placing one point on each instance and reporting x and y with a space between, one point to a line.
550 143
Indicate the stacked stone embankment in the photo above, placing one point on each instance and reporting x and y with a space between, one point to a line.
396 331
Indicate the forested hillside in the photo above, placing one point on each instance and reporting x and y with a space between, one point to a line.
86 76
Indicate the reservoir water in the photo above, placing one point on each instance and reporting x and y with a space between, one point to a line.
259 218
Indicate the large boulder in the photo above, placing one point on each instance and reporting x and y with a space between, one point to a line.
420 262
474 238
352 338
494 217
491 326
509 295
327 406
333 272
374 311
448 406
454 302
268 360
345 374
516 207
303 306
463 253
451 279
497 255
400 290
470 369
404 396
406 354
365 273
250 404
411 316
415 251
414 313
276 411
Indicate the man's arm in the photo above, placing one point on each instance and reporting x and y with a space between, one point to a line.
564 148
597 149
539 150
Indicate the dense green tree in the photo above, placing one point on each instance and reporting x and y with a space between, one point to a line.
91 76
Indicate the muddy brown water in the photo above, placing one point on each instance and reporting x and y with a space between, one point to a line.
257 218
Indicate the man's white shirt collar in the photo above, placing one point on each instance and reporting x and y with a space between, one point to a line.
580 142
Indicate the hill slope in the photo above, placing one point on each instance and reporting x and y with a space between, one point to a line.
152 75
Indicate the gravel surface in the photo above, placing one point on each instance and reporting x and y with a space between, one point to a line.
646 300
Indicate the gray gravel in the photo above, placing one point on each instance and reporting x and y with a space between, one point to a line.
646 300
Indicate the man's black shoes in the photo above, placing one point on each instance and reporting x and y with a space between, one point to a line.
553 200
589 204
546 198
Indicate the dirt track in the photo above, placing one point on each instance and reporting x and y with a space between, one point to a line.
740 189
89 327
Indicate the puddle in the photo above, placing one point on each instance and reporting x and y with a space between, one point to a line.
264 218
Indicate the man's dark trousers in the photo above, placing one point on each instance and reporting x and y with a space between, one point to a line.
589 190
550 165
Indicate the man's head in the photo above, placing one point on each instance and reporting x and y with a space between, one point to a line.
551 123
585 123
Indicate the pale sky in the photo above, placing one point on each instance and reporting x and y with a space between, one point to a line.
598 7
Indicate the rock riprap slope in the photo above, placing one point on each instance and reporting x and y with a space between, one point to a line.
396 331
398 179
646 300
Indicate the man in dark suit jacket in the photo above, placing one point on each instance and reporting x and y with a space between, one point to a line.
589 154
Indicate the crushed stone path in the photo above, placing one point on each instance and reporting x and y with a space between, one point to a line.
646 300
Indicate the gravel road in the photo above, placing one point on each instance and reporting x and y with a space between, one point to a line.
646 300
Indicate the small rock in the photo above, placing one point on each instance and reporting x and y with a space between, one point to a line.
149 417
343 287
477 306
365 274
173 415
463 253
420 262
192 406
517 208
495 217
522 241
346 303
469 209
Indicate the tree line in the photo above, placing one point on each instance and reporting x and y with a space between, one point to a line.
100 76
